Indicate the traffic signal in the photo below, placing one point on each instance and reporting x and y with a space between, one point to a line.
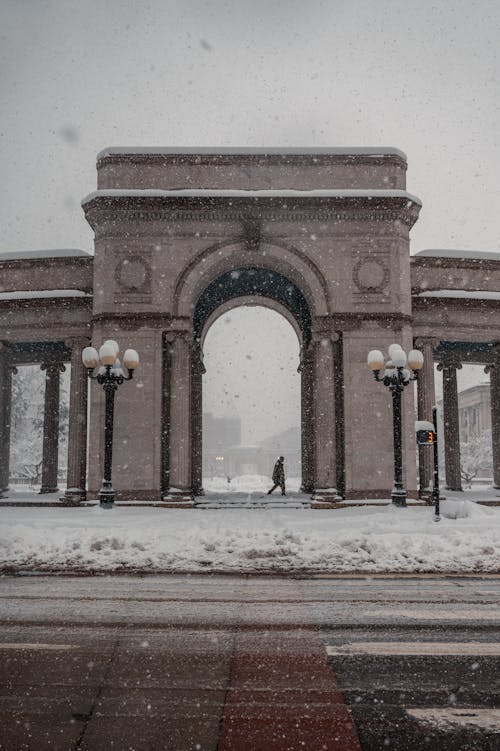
426 437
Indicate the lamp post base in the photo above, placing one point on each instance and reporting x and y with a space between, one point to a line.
106 495
398 497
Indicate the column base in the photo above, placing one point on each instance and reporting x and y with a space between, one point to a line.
48 489
177 498
325 498
73 497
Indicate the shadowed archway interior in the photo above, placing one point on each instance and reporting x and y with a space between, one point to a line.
253 281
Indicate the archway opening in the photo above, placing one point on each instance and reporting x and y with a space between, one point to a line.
251 400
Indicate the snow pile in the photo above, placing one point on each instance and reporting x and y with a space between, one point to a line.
452 509
154 539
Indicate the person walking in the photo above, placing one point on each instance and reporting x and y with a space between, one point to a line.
278 476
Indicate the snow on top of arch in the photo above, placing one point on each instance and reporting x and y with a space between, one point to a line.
216 193
464 294
253 151
55 253
466 254
42 294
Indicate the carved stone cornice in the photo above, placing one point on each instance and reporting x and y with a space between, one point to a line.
134 320
235 159
353 321
101 210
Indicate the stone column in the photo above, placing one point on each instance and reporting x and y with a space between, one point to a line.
494 371
165 414
307 432
451 423
180 419
197 370
325 476
426 400
50 451
6 371
77 434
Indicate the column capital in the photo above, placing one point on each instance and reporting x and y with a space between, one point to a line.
495 358
176 335
53 367
450 361
318 337
77 342
420 342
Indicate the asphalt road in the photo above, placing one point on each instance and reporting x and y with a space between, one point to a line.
219 663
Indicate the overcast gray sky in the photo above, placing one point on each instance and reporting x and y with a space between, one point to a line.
80 75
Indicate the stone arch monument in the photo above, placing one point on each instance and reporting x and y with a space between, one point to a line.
321 236
181 236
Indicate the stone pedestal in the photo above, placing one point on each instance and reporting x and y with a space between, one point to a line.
50 451
77 435
451 423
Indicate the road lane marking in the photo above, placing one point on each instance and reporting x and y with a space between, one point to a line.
449 615
28 645
430 648
446 717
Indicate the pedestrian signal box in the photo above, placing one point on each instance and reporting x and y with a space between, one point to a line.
425 437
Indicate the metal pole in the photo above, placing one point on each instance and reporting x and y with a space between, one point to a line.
107 494
398 491
435 487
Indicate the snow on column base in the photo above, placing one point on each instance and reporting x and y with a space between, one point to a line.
73 497
177 498
325 498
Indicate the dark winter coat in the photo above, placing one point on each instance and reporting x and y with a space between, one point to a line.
279 473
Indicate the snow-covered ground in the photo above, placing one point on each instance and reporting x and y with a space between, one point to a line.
368 539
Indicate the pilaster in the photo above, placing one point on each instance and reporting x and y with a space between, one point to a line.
325 474
197 370
307 415
77 434
180 443
50 451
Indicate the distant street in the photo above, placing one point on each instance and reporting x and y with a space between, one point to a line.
229 663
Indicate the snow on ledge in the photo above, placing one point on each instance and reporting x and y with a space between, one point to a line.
208 193
43 293
27 255
251 151
465 294
466 254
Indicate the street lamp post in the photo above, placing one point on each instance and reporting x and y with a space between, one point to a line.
109 375
398 371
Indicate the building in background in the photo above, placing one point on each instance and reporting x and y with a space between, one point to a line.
225 456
